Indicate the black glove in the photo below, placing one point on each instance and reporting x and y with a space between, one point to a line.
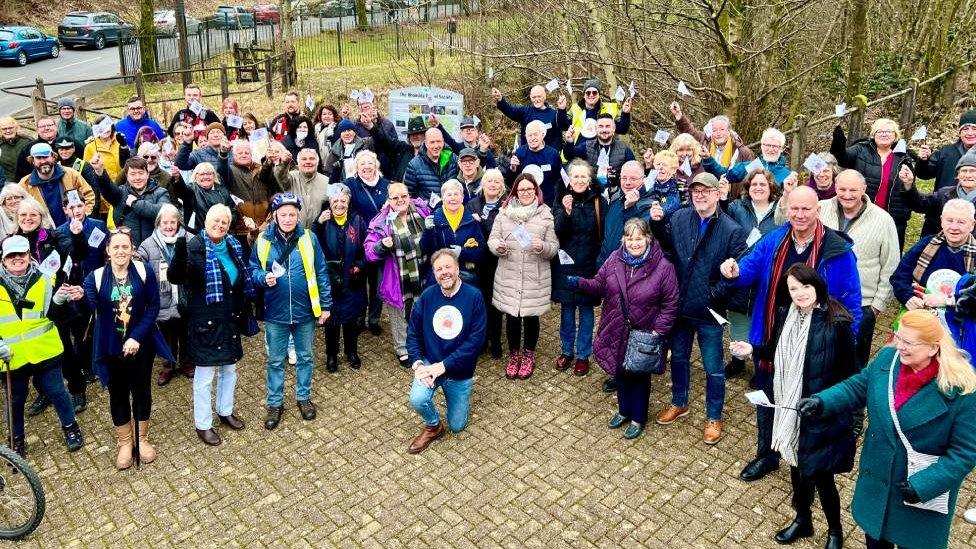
810 406
908 494
121 139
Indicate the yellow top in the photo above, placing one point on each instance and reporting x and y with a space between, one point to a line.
454 220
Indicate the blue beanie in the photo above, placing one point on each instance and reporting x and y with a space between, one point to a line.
345 124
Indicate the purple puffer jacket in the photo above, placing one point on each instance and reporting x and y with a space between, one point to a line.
389 290
652 298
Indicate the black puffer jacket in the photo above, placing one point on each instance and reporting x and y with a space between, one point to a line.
485 269
213 331
862 155
580 235
826 445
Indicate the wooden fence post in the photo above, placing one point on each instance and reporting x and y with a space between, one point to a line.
799 145
908 106
268 75
81 110
855 123
38 105
283 66
140 82
224 83
949 88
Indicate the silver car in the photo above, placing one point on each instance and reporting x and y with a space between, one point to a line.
165 21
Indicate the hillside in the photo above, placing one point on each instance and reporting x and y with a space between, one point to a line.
46 15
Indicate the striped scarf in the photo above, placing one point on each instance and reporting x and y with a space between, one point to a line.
214 273
790 356
407 233
932 248
779 260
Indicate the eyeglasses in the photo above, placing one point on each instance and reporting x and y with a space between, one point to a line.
902 341
771 145
885 132
702 191
527 190
134 109
150 157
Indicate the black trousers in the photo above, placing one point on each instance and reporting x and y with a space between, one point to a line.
128 378
77 353
823 483
865 335
633 395
513 329
174 332
350 338
375 307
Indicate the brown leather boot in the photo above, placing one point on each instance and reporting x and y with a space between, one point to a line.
123 434
423 440
147 454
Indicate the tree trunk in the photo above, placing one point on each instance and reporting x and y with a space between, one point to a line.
362 23
147 37
859 35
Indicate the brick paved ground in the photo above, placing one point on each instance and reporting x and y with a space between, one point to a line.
537 467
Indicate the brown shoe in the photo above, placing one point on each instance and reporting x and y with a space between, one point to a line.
713 431
423 440
671 415
232 421
165 375
124 435
582 367
563 362
209 437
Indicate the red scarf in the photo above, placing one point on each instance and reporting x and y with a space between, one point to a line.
779 260
911 382
881 199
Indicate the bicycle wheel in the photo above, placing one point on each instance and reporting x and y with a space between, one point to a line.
21 496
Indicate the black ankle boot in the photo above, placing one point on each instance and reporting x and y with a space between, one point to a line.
331 363
835 539
799 528
354 361
734 367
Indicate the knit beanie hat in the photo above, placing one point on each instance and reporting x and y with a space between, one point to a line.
215 126
345 124
967 118
968 160
592 83
69 102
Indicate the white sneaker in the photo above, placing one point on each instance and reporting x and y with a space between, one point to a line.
970 516
292 357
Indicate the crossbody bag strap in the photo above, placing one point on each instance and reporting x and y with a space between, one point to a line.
623 299
891 406
599 220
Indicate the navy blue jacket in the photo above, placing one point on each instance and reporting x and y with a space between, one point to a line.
344 251
288 302
697 255
551 163
457 348
365 200
88 258
901 279
468 236
556 121
424 176
617 215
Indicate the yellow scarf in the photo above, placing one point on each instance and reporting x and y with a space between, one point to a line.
726 154
340 219
454 220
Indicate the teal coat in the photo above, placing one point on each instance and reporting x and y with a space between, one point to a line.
935 424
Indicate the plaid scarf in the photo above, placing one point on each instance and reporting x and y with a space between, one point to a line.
779 260
407 233
213 275
932 248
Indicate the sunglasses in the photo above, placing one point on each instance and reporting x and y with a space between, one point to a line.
591 93
150 157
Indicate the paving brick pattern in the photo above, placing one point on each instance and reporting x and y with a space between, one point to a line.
536 467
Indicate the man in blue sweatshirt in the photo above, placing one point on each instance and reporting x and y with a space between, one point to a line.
535 152
444 337
554 121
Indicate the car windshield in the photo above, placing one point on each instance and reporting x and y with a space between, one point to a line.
75 20
6 35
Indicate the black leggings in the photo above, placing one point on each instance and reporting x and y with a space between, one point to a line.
350 337
513 329
77 354
129 377
803 488
174 332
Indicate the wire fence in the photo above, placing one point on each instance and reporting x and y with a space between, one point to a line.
330 37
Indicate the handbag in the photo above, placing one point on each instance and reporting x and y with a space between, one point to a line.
643 355
917 461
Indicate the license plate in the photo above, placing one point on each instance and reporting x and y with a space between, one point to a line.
70 32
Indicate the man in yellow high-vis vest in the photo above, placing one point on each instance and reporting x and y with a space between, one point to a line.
29 300
287 262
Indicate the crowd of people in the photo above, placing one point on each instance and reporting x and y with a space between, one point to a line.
124 241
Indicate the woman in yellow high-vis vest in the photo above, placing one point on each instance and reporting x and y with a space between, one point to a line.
30 300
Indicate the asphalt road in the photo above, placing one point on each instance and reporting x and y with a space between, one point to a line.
72 64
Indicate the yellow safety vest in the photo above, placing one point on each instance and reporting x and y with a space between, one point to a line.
32 338
579 114
308 262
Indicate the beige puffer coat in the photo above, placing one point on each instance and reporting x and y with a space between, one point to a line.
523 282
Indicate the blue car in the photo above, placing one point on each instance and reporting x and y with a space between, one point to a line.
22 44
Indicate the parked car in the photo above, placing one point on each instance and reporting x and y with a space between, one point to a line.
165 21
232 17
21 44
95 29
267 13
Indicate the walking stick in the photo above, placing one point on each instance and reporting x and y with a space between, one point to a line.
10 400
135 423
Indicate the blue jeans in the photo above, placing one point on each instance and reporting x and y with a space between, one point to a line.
568 332
202 385
710 344
457 396
277 336
48 381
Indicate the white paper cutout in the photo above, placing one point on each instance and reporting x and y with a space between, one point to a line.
620 94
632 90
682 88
569 87
68 264
309 102
814 164
662 136
686 167
756 164
51 264
565 258
708 130
96 237
258 134
74 197
718 318
522 236
196 108
564 176
759 398
277 269
234 121
840 110
901 146
650 180
491 73
921 133
603 160
434 200
237 200
552 85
